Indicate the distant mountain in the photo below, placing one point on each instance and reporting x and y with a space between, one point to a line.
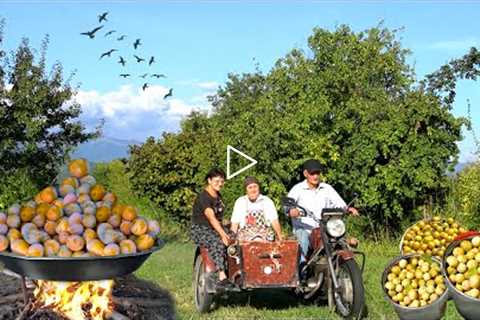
104 149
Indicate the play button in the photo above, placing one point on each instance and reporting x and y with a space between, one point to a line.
252 162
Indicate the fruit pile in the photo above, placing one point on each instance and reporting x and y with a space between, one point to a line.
430 237
76 218
463 267
415 282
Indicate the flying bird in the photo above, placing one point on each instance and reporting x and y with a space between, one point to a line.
151 61
91 34
138 58
121 37
108 53
122 61
145 86
158 75
102 17
169 94
136 44
110 32
125 75
144 75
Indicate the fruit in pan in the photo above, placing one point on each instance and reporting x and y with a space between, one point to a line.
127 246
3 229
95 247
72 208
64 252
27 214
75 243
19 246
3 217
129 213
97 192
463 267
117 209
144 242
153 228
415 282
110 197
13 221
39 220
139 227
63 237
103 213
51 247
48 194
72 181
3 243
89 180
111 249
76 228
62 226
89 221
50 227
14 234
115 220
54 213
78 168
36 250
125 227
89 234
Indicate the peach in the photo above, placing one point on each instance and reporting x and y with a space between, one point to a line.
65 189
125 227
3 217
129 213
70 198
19 246
39 220
78 168
72 208
13 221
103 213
76 228
139 227
51 247
75 243
89 221
63 237
64 252
118 209
35 250
89 179
97 192
95 247
110 197
48 194
144 242
50 227
89 234
84 189
27 214
14 210
42 208
3 229
75 218
111 249
62 225
108 236
72 181
59 203
54 213
3 243
14 234
115 220
153 228
83 198
90 208
128 246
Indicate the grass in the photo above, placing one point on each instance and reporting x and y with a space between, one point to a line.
171 268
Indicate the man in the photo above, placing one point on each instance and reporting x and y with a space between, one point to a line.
313 195
255 214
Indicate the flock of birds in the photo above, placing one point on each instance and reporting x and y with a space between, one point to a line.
121 59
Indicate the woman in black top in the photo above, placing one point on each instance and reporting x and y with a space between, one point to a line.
207 230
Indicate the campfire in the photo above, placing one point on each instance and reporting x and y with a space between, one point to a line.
76 300
124 298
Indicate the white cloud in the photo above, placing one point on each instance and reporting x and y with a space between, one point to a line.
130 112
464 44
208 85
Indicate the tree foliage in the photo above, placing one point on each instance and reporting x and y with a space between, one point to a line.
38 121
351 101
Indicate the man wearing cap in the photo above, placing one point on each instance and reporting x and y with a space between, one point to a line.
254 214
313 195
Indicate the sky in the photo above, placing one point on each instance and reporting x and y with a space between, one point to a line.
196 44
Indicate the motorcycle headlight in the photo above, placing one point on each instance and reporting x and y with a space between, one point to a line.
336 227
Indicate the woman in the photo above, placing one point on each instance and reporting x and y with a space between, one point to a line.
254 215
207 230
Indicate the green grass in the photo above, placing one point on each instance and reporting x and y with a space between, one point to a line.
171 268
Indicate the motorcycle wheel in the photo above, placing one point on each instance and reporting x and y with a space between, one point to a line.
352 292
203 299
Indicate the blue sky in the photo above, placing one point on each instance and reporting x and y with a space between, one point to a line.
196 44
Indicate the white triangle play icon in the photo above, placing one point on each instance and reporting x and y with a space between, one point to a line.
252 162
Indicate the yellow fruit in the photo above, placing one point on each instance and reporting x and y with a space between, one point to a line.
78 168
97 192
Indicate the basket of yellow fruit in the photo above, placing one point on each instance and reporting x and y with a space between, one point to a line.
415 287
76 230
461 268
430 236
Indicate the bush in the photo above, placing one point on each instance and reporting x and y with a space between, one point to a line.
16 186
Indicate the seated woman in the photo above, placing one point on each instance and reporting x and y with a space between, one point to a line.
254 215
207 230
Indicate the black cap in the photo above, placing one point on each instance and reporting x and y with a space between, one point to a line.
312 165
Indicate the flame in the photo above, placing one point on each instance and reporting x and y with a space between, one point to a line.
76 300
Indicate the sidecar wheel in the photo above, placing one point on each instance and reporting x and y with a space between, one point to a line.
204 300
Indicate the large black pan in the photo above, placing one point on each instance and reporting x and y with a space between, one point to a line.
76 269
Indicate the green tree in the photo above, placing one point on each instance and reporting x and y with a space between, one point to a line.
39 123
350 100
